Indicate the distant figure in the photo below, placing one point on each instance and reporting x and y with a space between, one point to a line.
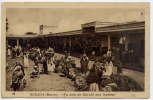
9 51
16 51
84 63
109 53
93 53
131 54
38 50
26 60
68 57
44 61
68 63
119 67
101 48
51 65
20 51
51 51
13 53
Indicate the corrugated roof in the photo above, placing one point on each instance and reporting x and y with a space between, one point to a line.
104 28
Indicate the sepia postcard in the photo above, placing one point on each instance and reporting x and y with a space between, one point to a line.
75 50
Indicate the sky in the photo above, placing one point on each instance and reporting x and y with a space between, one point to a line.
22 20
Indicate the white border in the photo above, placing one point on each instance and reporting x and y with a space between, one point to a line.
151 35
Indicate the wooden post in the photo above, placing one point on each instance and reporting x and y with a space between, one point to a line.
109 41
17 43
64 45
126 43
69 44
7 43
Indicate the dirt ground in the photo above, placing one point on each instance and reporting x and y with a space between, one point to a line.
45 82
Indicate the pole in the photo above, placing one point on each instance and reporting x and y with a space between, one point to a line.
109 41
18 43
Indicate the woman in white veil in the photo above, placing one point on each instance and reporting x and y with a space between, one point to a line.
26 60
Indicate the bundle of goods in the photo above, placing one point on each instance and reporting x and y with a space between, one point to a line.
72 62
125 83
72 73
107 85
39 58
56 62
65 70
32 55
68 66
58 69
20 85
118 66
49 54
80 82
35 72
58 66
41 69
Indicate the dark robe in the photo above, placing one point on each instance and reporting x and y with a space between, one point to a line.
93 76
45 66
84 64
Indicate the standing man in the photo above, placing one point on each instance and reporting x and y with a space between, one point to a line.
26 59
68 64
84 63
44 61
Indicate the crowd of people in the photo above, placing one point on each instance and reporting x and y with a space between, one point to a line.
95 78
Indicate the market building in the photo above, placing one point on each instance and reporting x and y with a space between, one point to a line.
127 38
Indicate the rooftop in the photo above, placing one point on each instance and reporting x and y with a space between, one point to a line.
100 27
